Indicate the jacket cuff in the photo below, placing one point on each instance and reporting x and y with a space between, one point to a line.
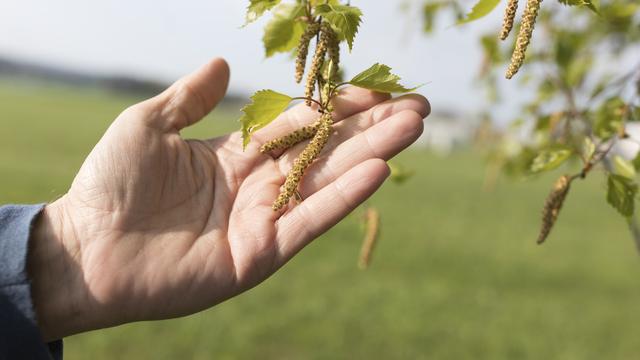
16 222
19 331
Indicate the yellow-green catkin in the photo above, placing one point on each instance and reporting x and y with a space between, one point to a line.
524 36
316 65
303 49
333 51
287 141
372 222
302 162
509 16
553 205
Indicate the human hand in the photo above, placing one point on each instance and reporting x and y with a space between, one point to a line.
155 226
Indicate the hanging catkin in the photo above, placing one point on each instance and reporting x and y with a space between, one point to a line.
302 162
372 221
524 36
316 65
509 16
333 50
303 49
552 206
287 141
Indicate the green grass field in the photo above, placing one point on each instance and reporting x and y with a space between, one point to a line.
456 274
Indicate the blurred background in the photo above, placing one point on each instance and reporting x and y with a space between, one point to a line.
456 273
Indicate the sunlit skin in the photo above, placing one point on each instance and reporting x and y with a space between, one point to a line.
157 226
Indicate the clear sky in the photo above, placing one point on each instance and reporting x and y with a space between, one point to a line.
164 39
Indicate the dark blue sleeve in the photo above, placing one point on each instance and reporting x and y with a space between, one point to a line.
19 334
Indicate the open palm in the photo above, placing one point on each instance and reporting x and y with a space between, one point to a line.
159 226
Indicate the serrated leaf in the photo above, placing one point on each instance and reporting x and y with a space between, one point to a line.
283 32
265 106
344 18
379 78
481 9
257 8
621 193
623 167
587 3
549 159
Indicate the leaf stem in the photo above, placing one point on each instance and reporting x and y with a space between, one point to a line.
595 160
335 87
310 99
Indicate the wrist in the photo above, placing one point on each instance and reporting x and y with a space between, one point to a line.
56 286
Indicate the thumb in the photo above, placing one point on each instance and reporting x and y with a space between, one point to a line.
192 97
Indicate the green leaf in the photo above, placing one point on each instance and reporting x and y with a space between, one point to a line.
315 3
588 3
379 78
566 46
621 193
636 162
345 19
588 148
491 48
283 32
479 10
429 12
546 90
258 7
624 167
517 165
543 123
609 118
578 70
549 159
266 105
634 111
620 14
601 85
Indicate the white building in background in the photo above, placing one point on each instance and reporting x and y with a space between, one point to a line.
445 131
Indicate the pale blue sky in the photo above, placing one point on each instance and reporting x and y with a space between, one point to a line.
166 38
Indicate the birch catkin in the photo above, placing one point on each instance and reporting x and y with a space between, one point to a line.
524 36
302 162
552 206
509 16
303 49
333 50
372 221
316 66
287 141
